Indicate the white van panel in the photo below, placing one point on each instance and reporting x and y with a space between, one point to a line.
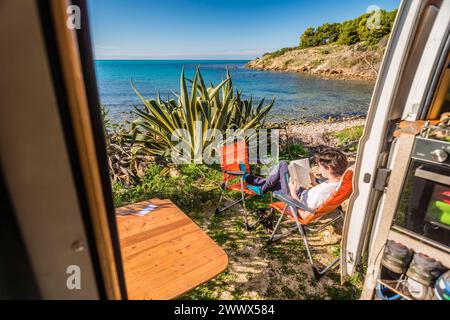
355 226
361 205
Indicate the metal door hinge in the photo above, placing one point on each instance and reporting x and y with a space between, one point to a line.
382 179
350 257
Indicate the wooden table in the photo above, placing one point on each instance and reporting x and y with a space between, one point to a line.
165 254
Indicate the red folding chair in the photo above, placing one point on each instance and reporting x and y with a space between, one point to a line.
294 210
235 165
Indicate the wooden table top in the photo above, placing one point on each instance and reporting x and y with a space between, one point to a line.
165 254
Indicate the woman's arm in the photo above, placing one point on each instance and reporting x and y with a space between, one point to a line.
313 179
293 187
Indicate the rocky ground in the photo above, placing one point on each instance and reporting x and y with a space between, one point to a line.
355 62
313 134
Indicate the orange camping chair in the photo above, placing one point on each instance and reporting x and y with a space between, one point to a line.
292 209
234 162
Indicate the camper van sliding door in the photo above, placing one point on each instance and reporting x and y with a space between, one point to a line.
407 43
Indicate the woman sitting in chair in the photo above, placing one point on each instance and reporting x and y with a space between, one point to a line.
332 165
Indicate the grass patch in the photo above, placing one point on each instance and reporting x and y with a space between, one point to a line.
349 135
347 292
220 237
210 290
192 184
293 152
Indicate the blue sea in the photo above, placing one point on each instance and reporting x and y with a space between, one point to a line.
296 95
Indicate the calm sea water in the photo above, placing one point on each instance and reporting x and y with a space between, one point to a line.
296 95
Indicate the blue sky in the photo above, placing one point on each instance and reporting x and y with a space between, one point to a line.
210 29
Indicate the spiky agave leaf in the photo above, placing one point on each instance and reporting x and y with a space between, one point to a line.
215 107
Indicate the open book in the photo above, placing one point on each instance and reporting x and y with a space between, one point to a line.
300 169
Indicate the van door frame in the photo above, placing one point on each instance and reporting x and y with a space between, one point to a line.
361 207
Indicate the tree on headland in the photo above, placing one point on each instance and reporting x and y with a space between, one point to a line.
372 36
369 28
308 39
349 33
328 33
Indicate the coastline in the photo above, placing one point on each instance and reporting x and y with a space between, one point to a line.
340 62
326 73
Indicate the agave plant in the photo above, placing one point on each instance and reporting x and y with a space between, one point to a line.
215 109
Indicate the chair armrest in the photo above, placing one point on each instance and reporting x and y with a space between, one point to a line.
292 202
235 173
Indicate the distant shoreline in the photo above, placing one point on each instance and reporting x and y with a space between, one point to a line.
180 60
341 62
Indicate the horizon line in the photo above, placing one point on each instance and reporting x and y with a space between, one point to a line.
180 59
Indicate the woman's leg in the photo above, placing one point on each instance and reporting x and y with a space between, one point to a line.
255 180
284 177
275 182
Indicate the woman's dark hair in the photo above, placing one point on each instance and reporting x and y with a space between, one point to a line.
335 159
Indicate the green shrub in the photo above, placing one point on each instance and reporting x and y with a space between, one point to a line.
328 33
278 53
308 38
372 36
349 32
349 135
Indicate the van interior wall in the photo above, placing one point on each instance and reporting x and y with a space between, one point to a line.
13 255
441 101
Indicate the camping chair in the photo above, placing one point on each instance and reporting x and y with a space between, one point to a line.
291 208
234 162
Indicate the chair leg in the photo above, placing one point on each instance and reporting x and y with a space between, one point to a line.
222 196
273 237
317 273
241 199
247 225
220 210
302 232
320 273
